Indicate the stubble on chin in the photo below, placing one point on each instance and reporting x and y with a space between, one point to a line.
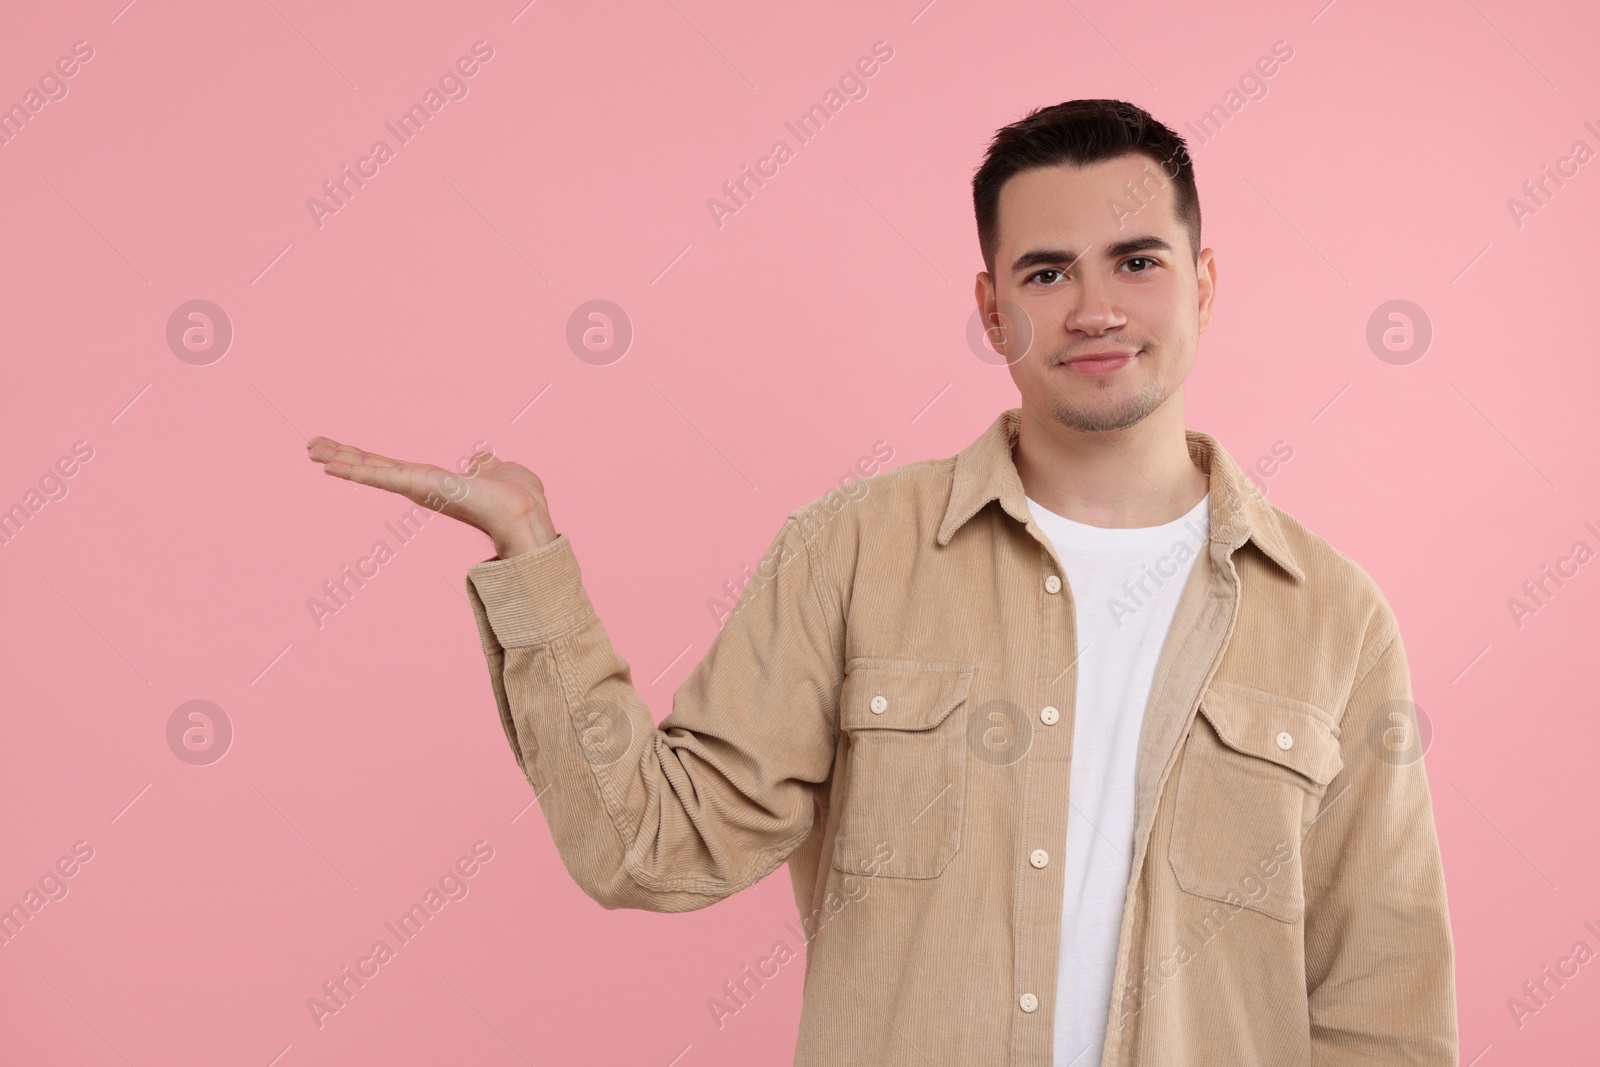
1105 419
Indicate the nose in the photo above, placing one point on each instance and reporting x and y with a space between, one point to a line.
1093 309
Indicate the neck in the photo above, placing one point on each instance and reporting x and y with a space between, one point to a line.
1140 475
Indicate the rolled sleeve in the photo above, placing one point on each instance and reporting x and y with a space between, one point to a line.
533 598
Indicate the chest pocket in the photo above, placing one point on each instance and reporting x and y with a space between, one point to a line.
904 722
1254 768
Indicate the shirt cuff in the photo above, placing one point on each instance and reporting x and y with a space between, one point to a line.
533 598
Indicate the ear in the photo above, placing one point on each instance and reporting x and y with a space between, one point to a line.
1206 277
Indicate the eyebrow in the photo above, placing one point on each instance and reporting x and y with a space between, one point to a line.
1045 257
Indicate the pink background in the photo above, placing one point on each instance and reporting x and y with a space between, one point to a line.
769 355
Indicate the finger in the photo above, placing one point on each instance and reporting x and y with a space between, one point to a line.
324 449
376 460
321 449
392 478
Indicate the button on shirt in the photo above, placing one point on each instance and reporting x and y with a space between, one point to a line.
1286 902
1125 585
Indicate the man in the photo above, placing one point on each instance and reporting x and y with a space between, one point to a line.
1079 751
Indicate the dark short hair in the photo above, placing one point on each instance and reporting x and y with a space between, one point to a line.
1080 132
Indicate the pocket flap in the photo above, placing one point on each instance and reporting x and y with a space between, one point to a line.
900 694
1262 724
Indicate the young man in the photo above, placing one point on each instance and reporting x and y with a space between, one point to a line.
1079 751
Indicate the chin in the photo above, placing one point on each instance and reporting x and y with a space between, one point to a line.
1102 414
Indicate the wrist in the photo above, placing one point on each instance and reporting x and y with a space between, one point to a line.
520 541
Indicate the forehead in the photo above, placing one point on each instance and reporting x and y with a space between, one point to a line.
1078 205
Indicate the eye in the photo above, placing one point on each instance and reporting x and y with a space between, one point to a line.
1141 259
1047 270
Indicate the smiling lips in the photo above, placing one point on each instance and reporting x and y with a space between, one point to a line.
1099 362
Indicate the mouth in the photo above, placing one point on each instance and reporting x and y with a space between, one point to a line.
1099 362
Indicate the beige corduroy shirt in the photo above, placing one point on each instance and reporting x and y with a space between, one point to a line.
889 711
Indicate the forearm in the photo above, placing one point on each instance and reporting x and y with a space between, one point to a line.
665 819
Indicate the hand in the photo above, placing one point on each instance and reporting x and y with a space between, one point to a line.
504 500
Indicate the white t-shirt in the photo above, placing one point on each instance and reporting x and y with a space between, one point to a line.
1125 585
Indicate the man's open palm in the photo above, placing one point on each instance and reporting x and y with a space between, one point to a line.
504 500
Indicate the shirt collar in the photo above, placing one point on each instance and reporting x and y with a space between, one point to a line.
985 471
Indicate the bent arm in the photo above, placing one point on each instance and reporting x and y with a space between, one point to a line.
1379 960
677 817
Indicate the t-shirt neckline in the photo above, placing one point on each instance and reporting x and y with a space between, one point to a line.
1082 535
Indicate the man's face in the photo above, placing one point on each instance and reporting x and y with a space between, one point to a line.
1091 272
